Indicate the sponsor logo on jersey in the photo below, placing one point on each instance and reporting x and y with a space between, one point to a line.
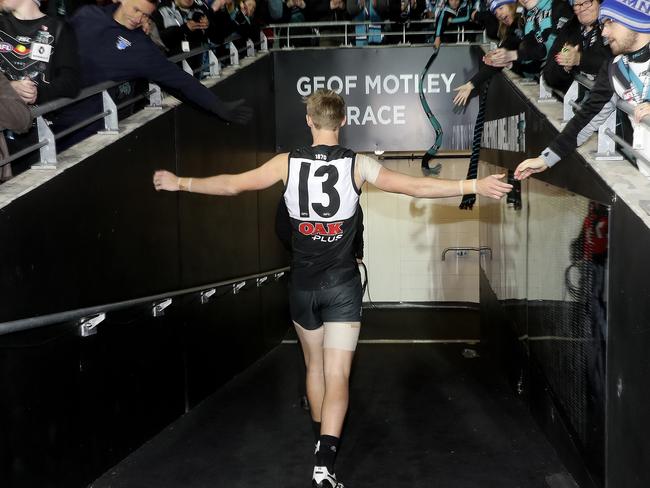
326 232
5 47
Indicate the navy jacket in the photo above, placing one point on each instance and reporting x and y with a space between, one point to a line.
111 52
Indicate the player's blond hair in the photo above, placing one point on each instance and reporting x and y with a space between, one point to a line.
326 109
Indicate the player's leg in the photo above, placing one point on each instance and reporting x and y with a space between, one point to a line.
312 347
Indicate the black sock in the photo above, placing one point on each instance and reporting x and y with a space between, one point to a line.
316 428
326 454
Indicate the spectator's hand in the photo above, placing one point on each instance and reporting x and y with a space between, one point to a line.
530 167
361 4
146 25
569 56
336 4
500 57
236 112
642 110
437 42
474 14
26 90
165 180
218 5
493 187
200 25
464 91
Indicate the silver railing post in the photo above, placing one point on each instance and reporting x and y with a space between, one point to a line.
187 68
641 143
214 65
264 42
47 152
250 48
606 146
110 120
570 96
155 98
288 35
345 41
234 54
404 33
545 93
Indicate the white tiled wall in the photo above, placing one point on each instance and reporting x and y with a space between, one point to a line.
404 239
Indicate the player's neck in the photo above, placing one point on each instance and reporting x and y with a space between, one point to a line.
325 137
28 11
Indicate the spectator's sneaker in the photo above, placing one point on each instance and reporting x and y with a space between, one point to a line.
323 479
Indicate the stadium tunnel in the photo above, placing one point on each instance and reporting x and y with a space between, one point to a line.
145 336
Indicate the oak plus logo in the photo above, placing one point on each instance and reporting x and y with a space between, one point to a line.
324 232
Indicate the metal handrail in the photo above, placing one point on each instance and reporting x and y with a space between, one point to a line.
78 314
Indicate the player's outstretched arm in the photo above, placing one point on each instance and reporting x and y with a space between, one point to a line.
530 167
422 187
260 178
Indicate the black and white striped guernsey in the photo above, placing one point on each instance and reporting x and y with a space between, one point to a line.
322 201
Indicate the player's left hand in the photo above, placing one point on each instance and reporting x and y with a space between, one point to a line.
493 187
165 180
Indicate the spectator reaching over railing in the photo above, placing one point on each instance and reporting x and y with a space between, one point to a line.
510 33
14 115
578 49
122 51
627 28
38 53
327 11
542 20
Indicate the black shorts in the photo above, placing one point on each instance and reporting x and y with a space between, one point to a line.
341 303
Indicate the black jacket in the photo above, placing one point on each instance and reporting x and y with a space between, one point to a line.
55 78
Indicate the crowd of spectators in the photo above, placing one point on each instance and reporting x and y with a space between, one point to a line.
130 40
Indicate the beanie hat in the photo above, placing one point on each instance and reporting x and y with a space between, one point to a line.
495 4
633 14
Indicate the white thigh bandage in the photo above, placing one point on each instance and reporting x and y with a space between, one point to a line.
341 335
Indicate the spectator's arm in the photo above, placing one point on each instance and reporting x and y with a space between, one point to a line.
14 113
65 69
155 67
530 50
601 103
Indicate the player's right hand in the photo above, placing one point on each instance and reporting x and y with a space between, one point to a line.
493 187
165 180
530 167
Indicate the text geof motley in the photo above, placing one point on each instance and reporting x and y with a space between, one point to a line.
393 84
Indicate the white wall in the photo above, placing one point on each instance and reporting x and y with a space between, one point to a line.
404 239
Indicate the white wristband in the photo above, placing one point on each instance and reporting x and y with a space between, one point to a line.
474 186
460 186
189 186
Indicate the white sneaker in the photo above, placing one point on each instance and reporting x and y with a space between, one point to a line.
323 479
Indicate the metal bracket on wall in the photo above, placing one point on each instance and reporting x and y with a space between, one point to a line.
88 325
159 307
260 281
236 288
206 295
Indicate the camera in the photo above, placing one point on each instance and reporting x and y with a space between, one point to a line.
196 15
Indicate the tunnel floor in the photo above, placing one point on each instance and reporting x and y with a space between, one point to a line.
421 415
